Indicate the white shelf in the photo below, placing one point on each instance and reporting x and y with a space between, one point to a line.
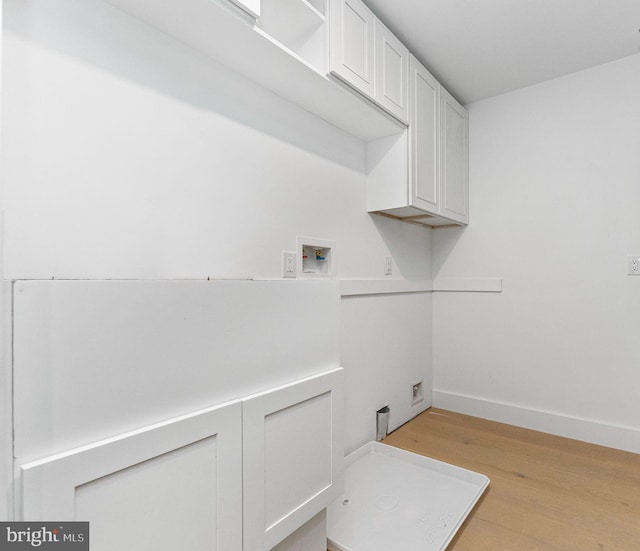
221 31
289 20
298 26
355 287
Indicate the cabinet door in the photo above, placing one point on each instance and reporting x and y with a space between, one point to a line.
454 159
173 485
351 49
292 456
392 73
424 138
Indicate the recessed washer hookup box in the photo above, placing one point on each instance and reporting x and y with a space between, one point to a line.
395 499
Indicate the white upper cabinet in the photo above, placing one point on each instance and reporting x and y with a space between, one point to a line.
421 175
367 56
424 138
454 159
416 133
352 46
392 69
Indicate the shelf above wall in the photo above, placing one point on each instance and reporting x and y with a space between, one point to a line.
224 33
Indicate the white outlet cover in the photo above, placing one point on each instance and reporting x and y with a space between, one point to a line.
633 264
289 264
417 394
388 265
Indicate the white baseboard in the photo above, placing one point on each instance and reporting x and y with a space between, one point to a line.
612 436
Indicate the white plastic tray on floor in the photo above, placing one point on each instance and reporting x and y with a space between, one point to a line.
395 500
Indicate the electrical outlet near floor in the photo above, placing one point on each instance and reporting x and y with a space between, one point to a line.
633 265
417 394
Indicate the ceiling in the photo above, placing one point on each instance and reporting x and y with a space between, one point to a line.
482 48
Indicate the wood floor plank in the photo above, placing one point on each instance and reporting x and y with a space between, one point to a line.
547 493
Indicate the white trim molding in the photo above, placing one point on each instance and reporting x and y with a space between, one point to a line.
587 430
351 287
354 287
468 285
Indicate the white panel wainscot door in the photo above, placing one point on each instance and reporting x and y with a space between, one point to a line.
392 73
423 138
293 450
174 485
352 46
454 159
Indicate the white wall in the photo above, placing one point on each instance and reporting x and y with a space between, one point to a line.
387 346
128 156
96 359
6 456
555 190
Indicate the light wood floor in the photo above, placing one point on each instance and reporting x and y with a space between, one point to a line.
546 492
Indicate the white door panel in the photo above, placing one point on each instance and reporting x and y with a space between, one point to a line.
454 163
425 105
352 47
174 485
292 456
392 73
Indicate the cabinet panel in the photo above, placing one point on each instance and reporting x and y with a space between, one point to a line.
454 159
254 470
425 100
178 488
169 486
392 73
351 55
387 172
308 423
429 185
292 457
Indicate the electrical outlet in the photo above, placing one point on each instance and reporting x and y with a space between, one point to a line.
289 268
633 265
417 394
388 265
